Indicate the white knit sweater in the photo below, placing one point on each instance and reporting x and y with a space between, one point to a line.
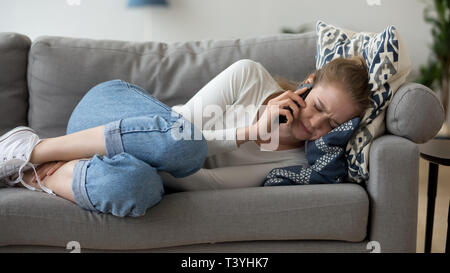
239 91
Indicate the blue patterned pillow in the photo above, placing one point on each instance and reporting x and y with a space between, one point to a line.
388 64
326 159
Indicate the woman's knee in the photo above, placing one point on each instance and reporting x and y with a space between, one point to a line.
171 144
85 115
102 85
190 153
123 185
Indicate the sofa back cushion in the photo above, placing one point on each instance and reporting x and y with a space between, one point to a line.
61 70
14 49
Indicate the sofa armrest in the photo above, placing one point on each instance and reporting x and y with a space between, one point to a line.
393 193
415 113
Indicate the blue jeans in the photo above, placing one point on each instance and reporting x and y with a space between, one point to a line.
139 139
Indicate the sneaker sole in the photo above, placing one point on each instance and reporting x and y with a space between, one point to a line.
16 130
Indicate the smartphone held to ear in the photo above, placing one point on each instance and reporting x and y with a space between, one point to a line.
282 118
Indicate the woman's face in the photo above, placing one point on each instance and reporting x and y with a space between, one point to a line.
327 107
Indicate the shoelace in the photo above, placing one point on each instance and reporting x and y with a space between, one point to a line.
20 180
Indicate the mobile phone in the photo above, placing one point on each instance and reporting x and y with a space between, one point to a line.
282 118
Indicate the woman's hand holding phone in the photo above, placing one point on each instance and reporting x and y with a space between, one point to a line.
286 100
300 91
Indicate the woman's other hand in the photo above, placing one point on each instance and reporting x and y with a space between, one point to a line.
47 169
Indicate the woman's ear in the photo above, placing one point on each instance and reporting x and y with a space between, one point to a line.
310 78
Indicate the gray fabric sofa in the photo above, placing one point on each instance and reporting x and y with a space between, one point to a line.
41 81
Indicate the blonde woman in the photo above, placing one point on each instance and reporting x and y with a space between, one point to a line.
120 147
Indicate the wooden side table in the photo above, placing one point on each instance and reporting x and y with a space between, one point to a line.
437 152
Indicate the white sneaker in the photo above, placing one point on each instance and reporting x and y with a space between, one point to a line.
16 147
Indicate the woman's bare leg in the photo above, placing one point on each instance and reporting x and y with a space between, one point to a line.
60 182
82 144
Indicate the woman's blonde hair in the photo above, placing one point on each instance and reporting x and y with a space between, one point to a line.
350 74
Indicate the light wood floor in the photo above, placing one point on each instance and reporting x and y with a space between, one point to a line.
441 211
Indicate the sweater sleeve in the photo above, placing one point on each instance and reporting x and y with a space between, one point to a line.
222 178
209 104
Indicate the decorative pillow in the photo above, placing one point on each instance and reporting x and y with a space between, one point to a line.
326 159
388 63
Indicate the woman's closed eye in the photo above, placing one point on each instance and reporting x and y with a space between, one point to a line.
333 126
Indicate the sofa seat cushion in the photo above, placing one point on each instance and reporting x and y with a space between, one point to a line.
310 212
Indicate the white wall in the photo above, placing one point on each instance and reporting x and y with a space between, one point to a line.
212 19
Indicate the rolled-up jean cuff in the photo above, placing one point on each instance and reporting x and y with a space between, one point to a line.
113 139
79 186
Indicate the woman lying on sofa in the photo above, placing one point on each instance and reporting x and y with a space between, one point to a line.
120 144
